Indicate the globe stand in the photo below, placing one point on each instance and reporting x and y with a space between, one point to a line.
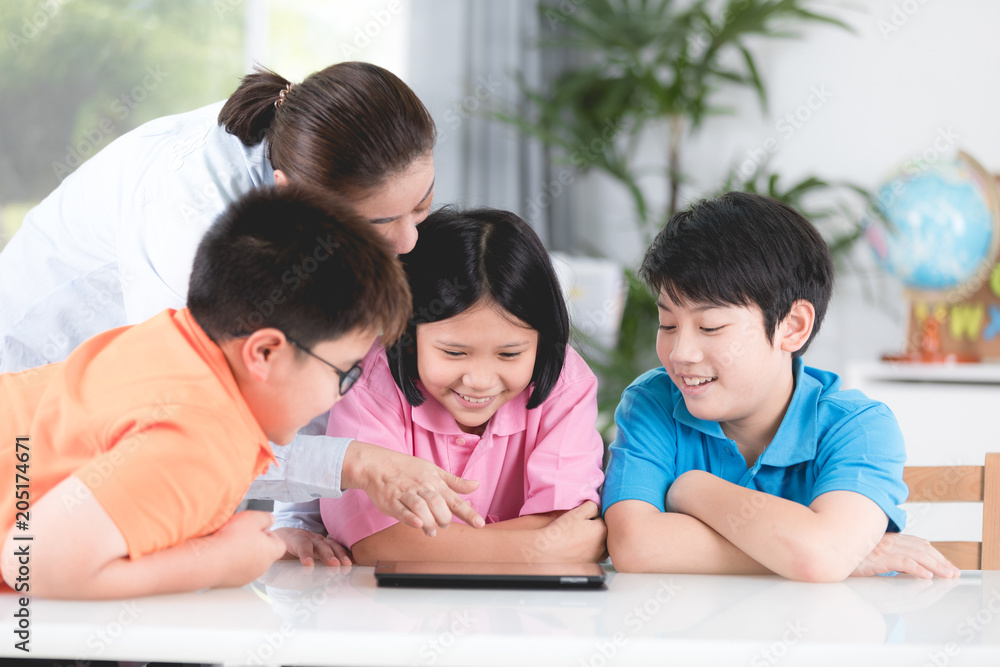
937 229
930 349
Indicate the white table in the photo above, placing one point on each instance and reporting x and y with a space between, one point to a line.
304 616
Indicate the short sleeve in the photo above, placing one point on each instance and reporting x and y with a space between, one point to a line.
865 453
168 480
563 467
643 456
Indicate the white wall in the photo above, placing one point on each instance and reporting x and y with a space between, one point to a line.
913 72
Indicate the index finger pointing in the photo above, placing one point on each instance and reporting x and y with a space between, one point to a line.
464 510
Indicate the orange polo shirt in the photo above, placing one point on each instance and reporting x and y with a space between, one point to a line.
149 417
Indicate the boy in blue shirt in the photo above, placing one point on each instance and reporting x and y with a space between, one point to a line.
734 457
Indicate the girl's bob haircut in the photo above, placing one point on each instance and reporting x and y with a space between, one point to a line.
482 256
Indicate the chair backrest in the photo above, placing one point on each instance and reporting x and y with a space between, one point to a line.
932 484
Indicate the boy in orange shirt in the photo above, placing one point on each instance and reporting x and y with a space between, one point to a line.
126 462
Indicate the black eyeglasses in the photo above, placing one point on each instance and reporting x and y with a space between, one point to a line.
347 378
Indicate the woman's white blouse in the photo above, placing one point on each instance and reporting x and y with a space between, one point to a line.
114 243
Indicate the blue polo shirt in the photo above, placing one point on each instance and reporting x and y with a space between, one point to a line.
829 440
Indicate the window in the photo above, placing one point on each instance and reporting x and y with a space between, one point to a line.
79 74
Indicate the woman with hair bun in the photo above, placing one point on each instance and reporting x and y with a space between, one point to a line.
114 243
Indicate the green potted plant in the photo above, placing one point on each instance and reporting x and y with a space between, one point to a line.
655 62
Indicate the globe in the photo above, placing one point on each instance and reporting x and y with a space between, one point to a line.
938 230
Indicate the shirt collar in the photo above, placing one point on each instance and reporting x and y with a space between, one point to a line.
509 419
796 439
266 177
216 360
682 416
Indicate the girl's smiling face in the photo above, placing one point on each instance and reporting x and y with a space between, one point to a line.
475 362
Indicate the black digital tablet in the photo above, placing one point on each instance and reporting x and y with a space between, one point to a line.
434 574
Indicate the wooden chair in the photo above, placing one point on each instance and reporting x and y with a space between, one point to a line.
931 484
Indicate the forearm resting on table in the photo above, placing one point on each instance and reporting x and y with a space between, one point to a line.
187 567
515 541
823 542
641 538
79 553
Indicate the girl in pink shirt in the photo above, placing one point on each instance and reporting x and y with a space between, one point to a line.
483 384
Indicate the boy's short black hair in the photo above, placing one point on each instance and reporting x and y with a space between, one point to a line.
742 249
466 257
295 259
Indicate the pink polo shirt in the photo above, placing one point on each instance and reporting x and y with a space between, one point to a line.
527 461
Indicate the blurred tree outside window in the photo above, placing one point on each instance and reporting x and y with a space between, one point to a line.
76 74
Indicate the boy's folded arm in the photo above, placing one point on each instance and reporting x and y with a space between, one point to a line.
825 541
79 553
574 536
641 538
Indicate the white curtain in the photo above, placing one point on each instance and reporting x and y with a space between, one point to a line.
466 57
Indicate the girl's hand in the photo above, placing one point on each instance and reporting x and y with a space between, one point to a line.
307 546
578 536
